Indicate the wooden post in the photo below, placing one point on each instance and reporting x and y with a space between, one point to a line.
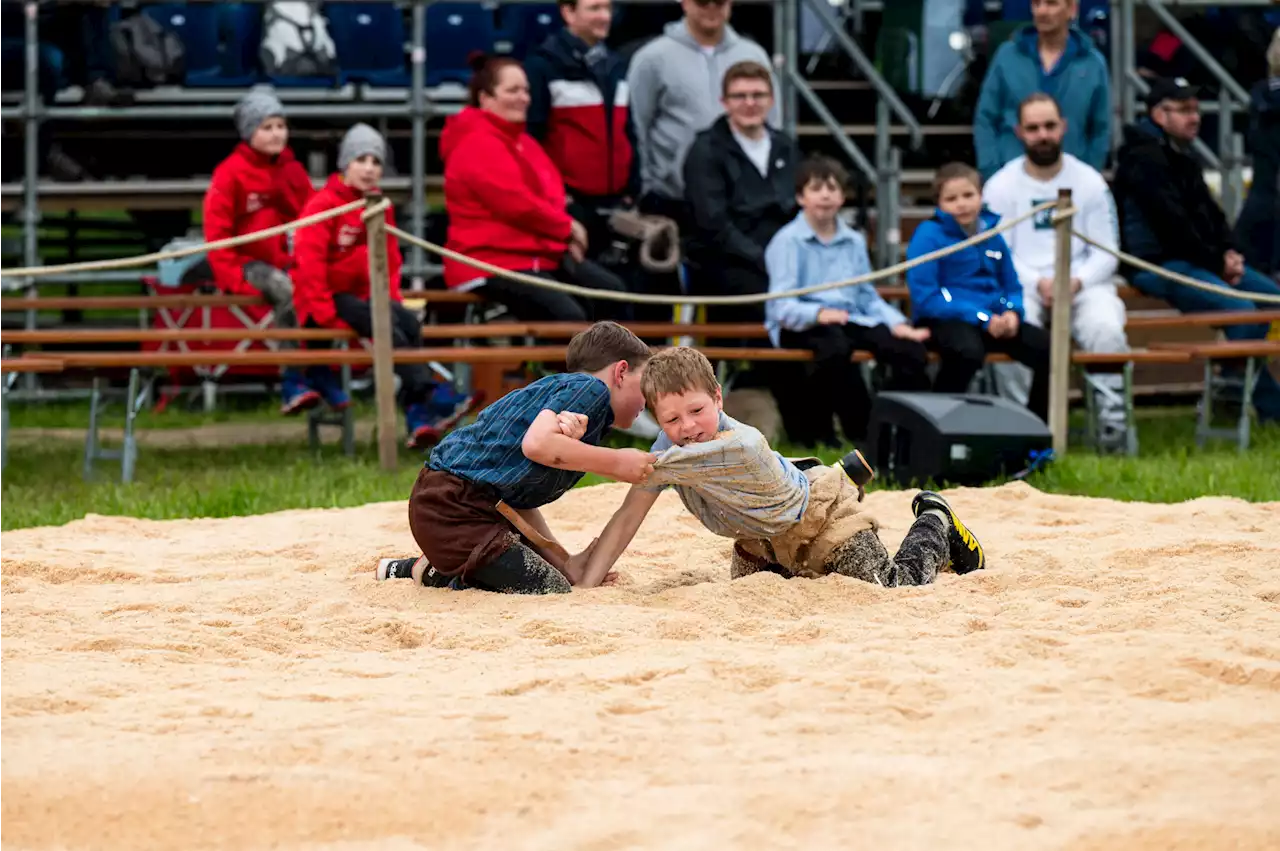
1060 330
380 304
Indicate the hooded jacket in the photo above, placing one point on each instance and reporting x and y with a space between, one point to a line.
972 285
579 111
1079 82
1258 229
1166 209
333 256
735 210
505 197
675 92
249 192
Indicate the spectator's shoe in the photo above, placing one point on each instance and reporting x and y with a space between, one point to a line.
62 167
295 393
645 427
324 381
965 552
450 406
101 93
423 432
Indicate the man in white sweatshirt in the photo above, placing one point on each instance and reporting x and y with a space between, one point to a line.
1097 313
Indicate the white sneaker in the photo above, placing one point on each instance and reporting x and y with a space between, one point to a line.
645 427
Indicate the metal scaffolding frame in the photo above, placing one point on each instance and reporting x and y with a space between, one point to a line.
420 108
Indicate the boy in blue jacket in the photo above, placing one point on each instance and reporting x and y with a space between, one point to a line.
971 300
818 248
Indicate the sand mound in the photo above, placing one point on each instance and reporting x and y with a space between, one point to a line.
1112 682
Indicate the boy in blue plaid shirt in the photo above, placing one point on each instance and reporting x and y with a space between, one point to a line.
516 457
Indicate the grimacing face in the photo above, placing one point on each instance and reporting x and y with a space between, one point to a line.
689 417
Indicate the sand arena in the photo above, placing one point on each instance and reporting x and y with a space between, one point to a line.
1111 682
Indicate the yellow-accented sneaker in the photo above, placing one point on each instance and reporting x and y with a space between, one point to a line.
965 551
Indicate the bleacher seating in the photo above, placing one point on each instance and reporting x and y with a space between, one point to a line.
197 26
370 39
525 26
454 31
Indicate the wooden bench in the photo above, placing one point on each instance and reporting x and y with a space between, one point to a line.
1254 353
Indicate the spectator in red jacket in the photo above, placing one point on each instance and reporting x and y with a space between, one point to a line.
331 281
506 204
260 186
579 113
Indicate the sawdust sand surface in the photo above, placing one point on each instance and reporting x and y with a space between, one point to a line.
1111 682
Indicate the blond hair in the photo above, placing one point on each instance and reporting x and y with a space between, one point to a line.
1273 54
677 370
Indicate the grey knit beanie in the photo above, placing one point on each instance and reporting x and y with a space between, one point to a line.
255 108
361 139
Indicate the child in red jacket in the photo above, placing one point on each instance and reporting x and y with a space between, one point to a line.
331 281
259 186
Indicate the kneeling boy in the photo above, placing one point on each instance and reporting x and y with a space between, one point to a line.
514 458
795 522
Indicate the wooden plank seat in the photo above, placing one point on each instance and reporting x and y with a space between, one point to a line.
180 302
1254 353
30 364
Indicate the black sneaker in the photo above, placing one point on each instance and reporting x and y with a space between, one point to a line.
397 568
965 551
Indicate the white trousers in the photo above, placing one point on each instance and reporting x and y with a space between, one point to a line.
1097 325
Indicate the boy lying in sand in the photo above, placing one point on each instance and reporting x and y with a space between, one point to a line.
783 519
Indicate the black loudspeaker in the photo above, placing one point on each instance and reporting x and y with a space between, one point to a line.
957 438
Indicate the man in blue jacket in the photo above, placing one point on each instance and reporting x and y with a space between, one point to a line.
1054 57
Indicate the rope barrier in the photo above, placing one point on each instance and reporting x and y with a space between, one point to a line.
756 298
1177 277
156 257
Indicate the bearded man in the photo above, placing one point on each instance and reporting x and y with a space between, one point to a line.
1097 313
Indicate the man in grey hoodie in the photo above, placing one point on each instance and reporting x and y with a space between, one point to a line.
675 87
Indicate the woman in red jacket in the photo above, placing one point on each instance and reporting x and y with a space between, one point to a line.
331 284
506 205
260 186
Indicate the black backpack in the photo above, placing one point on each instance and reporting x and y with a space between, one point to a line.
146 53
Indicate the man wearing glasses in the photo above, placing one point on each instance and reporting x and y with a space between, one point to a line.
675 88
1169 218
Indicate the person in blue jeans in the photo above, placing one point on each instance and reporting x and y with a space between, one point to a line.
1169 218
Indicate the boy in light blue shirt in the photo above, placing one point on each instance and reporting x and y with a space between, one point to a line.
818 248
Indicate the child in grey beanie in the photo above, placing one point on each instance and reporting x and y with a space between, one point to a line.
361 139
255 108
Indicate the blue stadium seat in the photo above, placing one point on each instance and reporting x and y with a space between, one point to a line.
454 31
526 25
370 41
241 28
197 25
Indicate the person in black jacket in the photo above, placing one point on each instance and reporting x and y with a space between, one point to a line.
1168 217
1258 228
739 181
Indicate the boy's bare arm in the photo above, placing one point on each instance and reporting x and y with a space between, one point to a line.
617 535
544 444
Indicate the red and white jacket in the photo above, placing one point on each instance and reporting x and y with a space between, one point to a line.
249 192
333 256
580 111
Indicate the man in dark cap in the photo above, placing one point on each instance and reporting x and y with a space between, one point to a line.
1169 218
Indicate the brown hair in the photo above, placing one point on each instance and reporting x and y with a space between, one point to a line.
1038 97
602 344
485 71
821 169
955 171
677 370
746 70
